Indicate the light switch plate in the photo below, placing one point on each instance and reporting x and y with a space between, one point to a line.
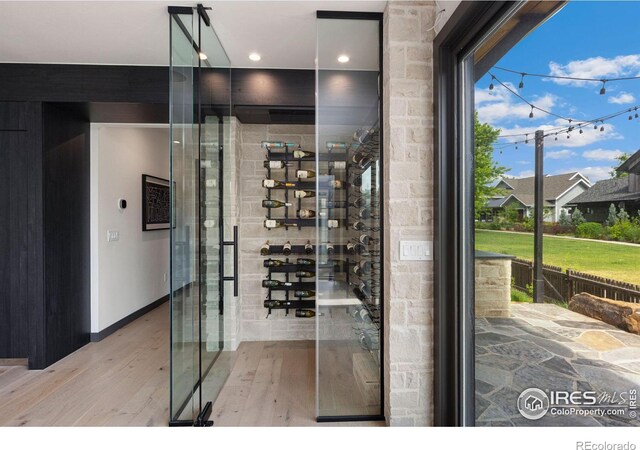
416 250
113 235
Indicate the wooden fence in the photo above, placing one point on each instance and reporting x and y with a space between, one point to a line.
561 286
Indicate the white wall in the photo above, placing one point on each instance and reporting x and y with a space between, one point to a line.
128 274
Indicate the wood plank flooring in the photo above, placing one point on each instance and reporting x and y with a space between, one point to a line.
123 380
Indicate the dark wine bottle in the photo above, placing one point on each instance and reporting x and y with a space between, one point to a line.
334 145
305 293
265 249
308 248
365 239
286 248
305 313
305 274
275 283
306 262
362 268
276 184
330 249
279 304
273 263
350 248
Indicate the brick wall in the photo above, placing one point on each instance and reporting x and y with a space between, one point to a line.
408 137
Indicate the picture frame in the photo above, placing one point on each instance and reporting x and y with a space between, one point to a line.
156 203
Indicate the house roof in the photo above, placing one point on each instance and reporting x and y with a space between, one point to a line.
631 165
613 190
554 186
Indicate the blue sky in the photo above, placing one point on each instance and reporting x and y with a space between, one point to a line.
596 39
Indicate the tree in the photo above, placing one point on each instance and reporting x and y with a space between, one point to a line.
577 218
621 159
623 216
612 218
487 170
564 219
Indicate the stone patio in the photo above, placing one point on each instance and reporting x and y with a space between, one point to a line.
551 348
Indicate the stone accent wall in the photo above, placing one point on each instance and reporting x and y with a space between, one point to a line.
493 287
409 155
254 324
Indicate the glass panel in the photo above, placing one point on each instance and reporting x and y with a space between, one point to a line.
348 204
185 230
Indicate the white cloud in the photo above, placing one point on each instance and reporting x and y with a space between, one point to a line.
560 154
593 173
499 104
523 174
596 67
622 98
600 154
588 137
524 163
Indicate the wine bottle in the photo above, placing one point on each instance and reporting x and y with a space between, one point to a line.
265 249
365 239
363 134
306 214
332 145
364 201
362 268
273 223
276 164
275 283
333 223
286 248
364 162
330 249
305 313
273 263
338 165
350 248
304 293
308 248
275 204
305 274
273 144
336 204
280 304
299 154
357 181
304 194
370 341
361 315
276 184
305 174
337 184
306 262
359 226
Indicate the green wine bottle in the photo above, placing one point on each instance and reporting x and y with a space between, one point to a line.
275 283
305 174
273 263
275 164
305 293
276 184
304 194
305 313
305 274
306 262
275 204
265 249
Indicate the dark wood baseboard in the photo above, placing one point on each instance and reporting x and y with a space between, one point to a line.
97 337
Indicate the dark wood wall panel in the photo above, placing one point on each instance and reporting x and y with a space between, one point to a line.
66 233
21 281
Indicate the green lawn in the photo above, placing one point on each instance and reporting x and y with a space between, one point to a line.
619 262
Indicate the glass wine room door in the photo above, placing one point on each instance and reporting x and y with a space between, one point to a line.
199 111
349 345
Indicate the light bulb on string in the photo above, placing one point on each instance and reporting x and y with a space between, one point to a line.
603 90
531 113
521 85
526 138
602 128
491 84
556 137
580 130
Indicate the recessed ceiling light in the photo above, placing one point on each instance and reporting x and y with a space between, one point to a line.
176 142
343 59
202 56
255 57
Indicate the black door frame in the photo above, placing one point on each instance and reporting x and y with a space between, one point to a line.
454 393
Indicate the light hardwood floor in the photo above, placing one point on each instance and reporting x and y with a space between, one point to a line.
124 381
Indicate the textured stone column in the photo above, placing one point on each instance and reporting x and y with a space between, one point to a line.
408 139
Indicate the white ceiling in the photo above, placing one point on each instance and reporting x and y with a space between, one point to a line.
137 32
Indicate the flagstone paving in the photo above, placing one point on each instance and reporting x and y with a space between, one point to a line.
551 348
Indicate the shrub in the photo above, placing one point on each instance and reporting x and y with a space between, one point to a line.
557 228
528 224
590 230
577 218
625 231
623 216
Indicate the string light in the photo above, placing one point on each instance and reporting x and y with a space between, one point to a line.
603 90
521 85
531 113
491 84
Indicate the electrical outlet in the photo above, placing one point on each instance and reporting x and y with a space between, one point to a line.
113 235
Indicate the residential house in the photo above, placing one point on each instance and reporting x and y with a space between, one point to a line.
623 192
559 193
